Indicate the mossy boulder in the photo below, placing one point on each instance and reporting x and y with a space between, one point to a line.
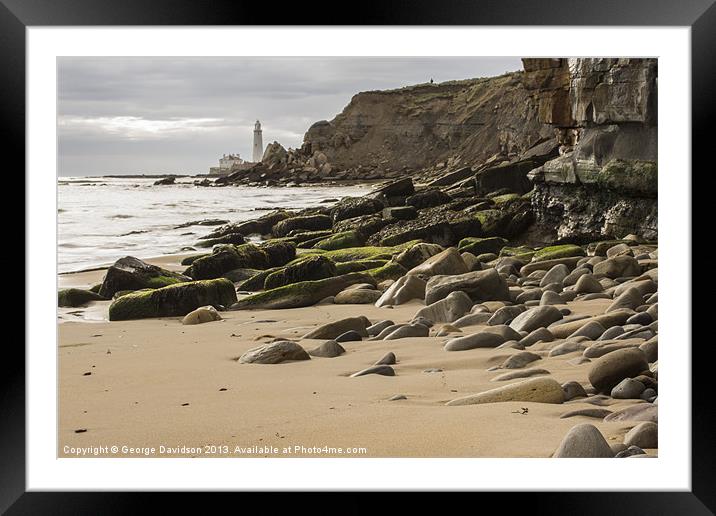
231 238
350 207
390 271
499 200
304 293
95 288
131 273
304 222
341 241
74 297
428 199
228 257
174 300
308 269
239 275
492 222
631 177
557 251
478 246
358 265
299 237
366 224
261 225
521 252
279 253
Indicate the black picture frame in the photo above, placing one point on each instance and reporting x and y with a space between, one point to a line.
700 15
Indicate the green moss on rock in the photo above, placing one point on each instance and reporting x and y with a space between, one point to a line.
304 222
342 240
74 297
632 177
174 300
131 273
358 265
228 257
391 270
309 269
190 259
478 246
557 251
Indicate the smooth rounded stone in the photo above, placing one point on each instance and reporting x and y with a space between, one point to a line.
472 320
598 413
592 330
573 277
639 412
553 287
201 315
409 330
618 267
403 290
432 370
565 327
447 310
510 344
524 373
569 346
384 285
360 286
611 333
334 329
398 397
568 295
387 331
550 298
274 353
653 310
643 333
534 318
582 442
645 287
494 306
642 318
565 312
532 294
588 284
349 336
630 298
643 435
589 297
631 451
423 321
538 275
573 390
654 298
505 314
326 301
540 334
470 260
480 309
505 331
378 327
329 349
479 285
519 360
447 262
531 304
447 329
579 361
383 370
641 308
649 395
555 275
617 448
538 390
598 399
628 389
605 347
474 341
388 359
619 250
610 369
357 297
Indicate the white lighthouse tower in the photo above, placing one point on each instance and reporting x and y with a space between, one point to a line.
258 143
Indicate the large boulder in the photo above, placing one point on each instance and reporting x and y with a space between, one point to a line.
485 285
225 258
447 310
261 225
618 267
333 329
303 293
174 300
478 246
279 253
341 241
309 269
417 254
350 207
610 369
428 199
538 317
357 296
537 390
446 262
558 251
403 290
131 273
274 353
304 222
476 340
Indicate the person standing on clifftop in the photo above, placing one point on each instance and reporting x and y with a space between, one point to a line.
431 80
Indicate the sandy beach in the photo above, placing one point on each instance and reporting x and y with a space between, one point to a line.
156 382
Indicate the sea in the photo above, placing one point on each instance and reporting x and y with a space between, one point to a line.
101 219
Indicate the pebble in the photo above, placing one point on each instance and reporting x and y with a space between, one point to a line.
520 360
357 296
569 346
540 334
598 413
505 314
610 369
473 341
329 349
630 298
588 284
378 327
573 390
432 370
334 329
583 441
550 298
648 395
638 412
423 321
651 349
447 310
630 452
539 390
201 315
388 359
383 370
525 373
447 329
472 319
611 333
534 318
274 353
579 361
406 288
398 397
409 330
628 389
643 435
592 330
510 344
387 331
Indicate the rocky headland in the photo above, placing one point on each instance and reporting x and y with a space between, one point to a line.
515 239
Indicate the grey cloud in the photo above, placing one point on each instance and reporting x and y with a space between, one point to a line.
286 93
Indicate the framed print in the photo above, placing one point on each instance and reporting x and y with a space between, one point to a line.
419 252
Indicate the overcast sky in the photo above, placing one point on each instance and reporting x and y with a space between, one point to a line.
120 115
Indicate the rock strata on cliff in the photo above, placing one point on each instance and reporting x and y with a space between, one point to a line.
603 111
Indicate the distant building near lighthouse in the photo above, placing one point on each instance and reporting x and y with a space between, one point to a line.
258 143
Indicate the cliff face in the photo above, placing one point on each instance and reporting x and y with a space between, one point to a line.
604 183
448 124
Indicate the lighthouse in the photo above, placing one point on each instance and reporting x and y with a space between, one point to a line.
258 143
